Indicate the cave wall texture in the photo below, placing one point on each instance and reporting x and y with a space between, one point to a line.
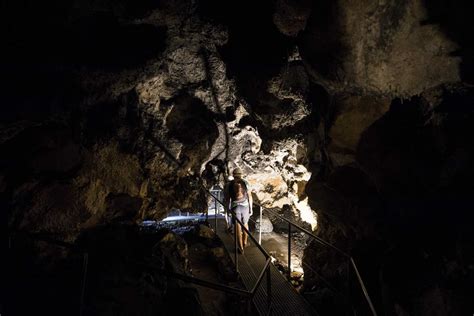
357 114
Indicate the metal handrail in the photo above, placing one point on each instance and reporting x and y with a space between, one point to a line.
234 217
362 285
260 277
262 273
327 244
266 268
186 278
318 239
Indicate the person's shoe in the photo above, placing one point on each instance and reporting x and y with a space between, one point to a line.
240 250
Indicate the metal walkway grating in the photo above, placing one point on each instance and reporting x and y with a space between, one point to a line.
285 300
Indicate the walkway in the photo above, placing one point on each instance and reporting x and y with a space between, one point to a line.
284 298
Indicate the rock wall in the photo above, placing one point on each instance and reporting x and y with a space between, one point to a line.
116 138
377 48
381 183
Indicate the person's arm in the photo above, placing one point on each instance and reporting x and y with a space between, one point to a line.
226 198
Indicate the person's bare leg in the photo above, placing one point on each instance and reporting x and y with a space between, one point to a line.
245 236
228 222
239 235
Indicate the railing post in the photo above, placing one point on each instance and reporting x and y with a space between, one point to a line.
289 252
84 277
260 227
215 213
269 290
318 239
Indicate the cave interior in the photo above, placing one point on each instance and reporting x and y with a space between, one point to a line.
352 119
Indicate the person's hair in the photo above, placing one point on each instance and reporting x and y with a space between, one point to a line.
237 172
237 187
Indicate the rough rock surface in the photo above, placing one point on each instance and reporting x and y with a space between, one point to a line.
265 226
118 275
354 114
291 16
391 203
377 48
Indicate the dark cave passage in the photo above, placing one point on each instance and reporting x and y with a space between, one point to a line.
351 122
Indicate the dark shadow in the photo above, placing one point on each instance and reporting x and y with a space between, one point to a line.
455 19
256 50
191 122
46 46
320 43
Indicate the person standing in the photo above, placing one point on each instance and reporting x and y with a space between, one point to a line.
238 198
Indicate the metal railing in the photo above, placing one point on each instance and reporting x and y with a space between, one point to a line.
186 278
290 225
224 288
268 258
326 244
